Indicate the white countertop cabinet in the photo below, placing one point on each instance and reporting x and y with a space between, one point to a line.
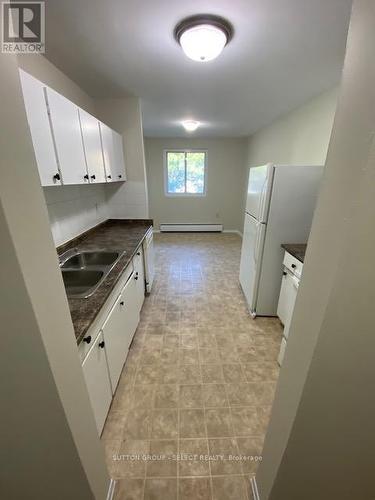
106 343
95 372
292 271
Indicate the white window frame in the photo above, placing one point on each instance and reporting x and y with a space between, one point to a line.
165 167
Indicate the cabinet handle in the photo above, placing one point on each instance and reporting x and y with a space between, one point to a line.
87 339
285 273
294 266
101 344
120 176
138 253
93 177
122 303
136 276
56 177
86 176
109 176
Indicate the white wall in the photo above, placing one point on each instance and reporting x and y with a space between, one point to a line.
300 137
46 72
129 199
74 209
48 434
223 203
320 443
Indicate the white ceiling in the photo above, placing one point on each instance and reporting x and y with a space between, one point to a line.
283 53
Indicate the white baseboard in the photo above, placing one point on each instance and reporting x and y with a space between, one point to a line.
254 488
111 489
233 231
190 227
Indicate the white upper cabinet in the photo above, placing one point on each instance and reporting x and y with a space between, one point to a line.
119 166
37 117
71 146
92 147
113 154
67 134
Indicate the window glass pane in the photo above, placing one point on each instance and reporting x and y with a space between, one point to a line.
176 172
195 163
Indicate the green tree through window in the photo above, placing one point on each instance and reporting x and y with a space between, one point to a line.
186 172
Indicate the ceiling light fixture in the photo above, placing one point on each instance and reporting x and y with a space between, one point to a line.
190 125
203 37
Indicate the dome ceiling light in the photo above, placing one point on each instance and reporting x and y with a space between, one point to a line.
203 37
190 125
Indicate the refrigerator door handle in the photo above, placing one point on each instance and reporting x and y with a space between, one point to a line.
260 202
255 251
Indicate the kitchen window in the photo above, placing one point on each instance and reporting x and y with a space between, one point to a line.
185 172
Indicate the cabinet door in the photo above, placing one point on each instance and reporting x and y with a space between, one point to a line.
113 154
95 372
292 290
288 296
130 297
139 276
115 332
119 162
92 147
40 129
67 134
282 306
108 152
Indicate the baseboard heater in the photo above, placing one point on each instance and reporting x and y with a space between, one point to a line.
191 228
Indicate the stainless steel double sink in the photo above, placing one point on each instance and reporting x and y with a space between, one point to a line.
84 271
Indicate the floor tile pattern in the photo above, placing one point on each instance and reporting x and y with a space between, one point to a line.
198 383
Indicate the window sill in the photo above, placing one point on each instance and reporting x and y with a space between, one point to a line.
185 195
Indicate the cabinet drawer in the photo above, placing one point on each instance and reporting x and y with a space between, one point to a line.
293 264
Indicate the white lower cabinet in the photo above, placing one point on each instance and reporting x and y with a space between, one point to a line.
130 298
139 277
119 328
115 335
283 305
103 362
95 371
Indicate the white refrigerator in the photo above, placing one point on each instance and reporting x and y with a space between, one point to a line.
280 205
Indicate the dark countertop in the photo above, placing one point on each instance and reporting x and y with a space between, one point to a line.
298 250
118 234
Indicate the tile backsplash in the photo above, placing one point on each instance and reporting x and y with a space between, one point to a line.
74 209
